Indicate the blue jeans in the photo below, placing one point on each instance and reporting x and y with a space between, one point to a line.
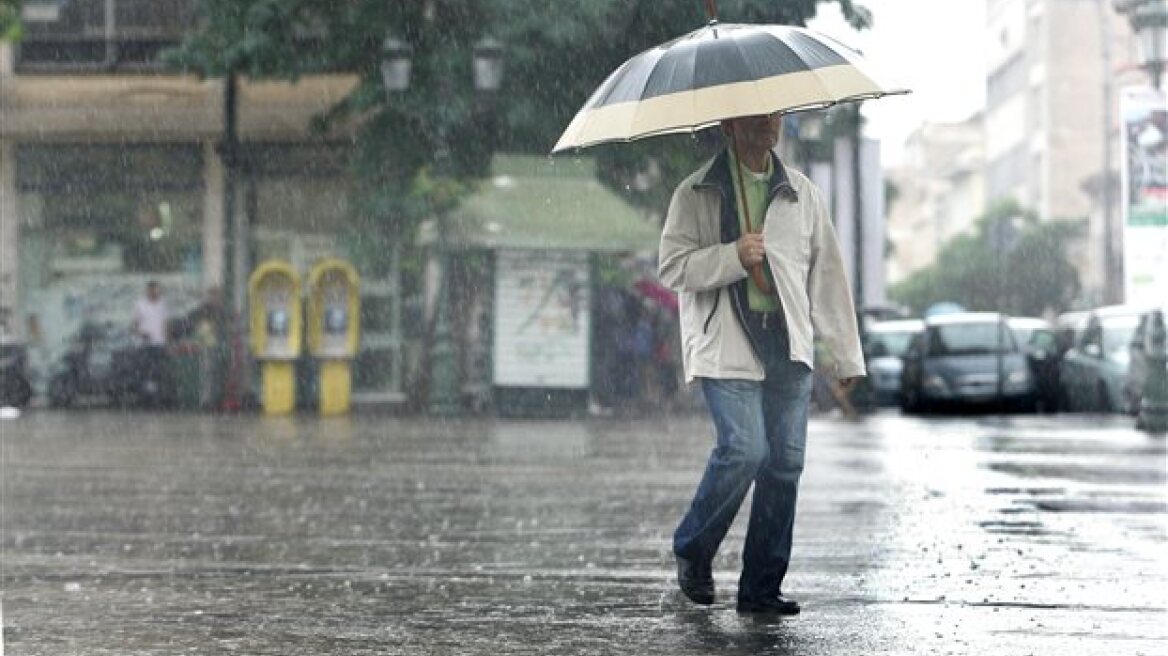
762 434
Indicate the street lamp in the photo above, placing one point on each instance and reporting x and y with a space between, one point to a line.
487 67
396 64
1149 20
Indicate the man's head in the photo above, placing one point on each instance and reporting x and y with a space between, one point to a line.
755 134
153 290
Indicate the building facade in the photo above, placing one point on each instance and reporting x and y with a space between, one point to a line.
111 172
1051 117
940 191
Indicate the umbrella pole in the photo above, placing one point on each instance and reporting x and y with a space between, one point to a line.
757 274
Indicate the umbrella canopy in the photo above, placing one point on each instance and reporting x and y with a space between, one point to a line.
720 72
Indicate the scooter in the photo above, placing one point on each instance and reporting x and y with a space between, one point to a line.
108 363
15 390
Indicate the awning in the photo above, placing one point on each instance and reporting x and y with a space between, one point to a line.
534 202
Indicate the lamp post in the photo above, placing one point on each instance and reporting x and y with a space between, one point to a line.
487 66
1149 20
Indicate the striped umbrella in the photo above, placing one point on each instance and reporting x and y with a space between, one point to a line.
718 72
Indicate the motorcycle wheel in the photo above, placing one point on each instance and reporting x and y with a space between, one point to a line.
61 393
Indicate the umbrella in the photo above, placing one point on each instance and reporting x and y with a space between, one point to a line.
658 293
721 72
718 72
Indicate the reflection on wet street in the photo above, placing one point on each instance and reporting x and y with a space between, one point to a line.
167 534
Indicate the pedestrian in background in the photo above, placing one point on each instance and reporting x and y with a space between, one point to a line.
150 321
748 339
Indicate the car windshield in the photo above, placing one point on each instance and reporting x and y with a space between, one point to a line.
891 342
1023 333
1117 333
969 339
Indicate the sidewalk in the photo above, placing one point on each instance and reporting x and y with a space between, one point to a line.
137 534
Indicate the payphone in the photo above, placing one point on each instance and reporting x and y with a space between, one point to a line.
333 330
276 332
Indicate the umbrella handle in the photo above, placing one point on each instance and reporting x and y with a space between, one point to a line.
757 274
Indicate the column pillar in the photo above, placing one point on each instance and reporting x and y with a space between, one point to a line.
213 172
9 236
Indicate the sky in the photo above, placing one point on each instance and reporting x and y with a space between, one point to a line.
934 47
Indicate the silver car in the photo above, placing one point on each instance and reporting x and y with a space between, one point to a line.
884 345
1094 370
1139 364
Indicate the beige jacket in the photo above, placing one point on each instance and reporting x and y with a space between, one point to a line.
804 257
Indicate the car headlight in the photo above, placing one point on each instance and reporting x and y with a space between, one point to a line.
936 384
1018 378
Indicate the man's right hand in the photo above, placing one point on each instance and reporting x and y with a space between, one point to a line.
750 249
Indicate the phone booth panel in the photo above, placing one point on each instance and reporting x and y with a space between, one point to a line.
276 332
334 308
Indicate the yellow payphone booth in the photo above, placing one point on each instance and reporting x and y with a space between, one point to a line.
333 330
276 332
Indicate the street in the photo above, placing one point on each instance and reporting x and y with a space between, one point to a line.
197 534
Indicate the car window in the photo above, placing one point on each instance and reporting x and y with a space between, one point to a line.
1043 340
1117 333
1092 335
893 343
970 339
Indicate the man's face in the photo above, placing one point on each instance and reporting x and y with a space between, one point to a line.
757 133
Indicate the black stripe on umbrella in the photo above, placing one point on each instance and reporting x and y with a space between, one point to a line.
716 55
720 72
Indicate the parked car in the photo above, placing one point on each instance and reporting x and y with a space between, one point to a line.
1138 366
1094 370
1039 343
966 359
885 343
1068 327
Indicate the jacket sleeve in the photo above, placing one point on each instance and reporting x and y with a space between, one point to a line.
833 315
684 264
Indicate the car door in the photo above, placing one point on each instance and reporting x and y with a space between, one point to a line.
1137 366
1081 364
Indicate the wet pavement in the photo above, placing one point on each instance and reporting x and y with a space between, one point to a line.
188 534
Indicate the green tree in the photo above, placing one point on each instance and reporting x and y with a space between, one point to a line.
1011 262
556 54
10 20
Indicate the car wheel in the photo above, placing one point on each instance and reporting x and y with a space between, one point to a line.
908 401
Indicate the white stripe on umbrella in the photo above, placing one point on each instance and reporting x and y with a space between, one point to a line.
693 110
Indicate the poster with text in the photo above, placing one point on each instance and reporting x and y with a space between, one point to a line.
1145 196
542 320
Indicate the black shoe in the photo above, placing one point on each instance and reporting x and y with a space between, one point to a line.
778 605
696 581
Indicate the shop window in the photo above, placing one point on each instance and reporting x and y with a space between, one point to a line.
112 208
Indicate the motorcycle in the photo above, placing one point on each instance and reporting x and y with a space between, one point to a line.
107 363
15 390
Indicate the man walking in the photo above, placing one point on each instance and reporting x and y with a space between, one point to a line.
753 297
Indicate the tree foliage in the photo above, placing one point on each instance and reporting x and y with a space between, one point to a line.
10 20
1011 262
556 53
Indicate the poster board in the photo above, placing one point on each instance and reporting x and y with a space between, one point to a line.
542 327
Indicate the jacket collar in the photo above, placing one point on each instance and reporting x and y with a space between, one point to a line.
717 176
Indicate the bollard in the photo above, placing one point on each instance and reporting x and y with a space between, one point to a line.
1153 416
